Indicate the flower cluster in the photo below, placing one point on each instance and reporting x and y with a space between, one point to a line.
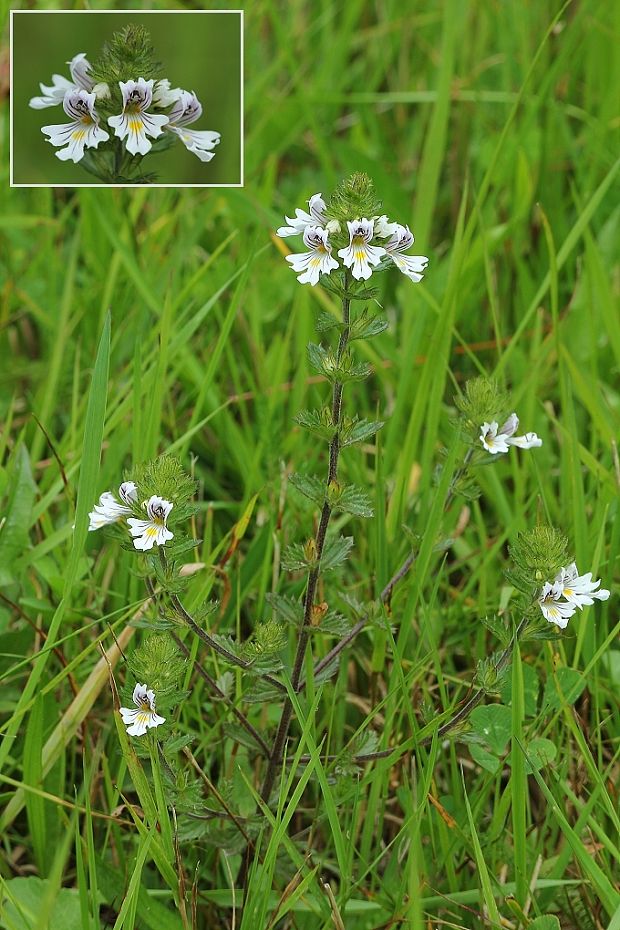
368 244
569 590
149 109
139 719
497 439
146 533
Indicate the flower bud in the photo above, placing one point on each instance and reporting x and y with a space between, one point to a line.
317 613
102 91
310 551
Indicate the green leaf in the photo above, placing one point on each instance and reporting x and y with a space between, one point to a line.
345 370
355 430
318 422
540 752
365 326
325 322
570 684
498 628
294 559
492 724
310 486
20 905
16 513
531 687
261 692
546 922
355 501
485 759
289 609
335 623
335 552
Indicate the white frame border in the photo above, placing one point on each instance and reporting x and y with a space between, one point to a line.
103 186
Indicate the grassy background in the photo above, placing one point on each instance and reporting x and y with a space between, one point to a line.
493 130
198 51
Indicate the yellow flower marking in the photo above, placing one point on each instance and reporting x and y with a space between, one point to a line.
79 134
135 124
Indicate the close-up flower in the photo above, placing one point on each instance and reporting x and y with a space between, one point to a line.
359 255
82 132
186 109
153 531
54 94
553 609
303 218
109 509
135 123
143 717
496 439
578 589
318 260
402 239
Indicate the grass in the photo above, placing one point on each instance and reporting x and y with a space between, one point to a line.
136 322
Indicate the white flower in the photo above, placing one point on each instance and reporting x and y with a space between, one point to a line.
109 510
400 240
153 531
83 130
53 94
497 440
553 609
187 109
164 95
298 223
359 255
139 720
579 589
318 260
134 121
79 66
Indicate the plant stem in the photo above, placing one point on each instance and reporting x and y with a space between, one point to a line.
277 752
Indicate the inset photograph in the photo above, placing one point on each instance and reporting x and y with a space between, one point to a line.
135 98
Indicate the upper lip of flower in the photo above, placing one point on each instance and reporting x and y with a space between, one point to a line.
302 218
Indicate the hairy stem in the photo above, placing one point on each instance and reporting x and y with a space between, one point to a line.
277 752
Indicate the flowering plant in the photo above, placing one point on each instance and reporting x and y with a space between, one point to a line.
120 111
274 668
